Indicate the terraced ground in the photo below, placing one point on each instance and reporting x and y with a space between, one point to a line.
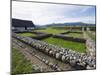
27 34
51 30
80 47
77 35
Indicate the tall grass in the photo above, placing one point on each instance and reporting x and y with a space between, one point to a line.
19 64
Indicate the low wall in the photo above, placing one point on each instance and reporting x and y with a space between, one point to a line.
42 36
68 28
39 35
71 32
22 31
65 32
70 38
65 55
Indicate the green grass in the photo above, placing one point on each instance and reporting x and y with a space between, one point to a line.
27 34
19 63
52 31
93 37
80 47
78 35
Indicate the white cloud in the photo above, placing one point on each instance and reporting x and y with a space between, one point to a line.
42 13
22 10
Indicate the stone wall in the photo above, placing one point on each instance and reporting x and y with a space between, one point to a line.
71 32
39 35
42 36
90 44
70 38
75 59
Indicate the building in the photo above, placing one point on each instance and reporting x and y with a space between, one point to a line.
22 25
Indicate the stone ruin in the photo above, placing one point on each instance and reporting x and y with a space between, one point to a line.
81 40
75 59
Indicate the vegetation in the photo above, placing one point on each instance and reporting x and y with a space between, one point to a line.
52 30
93 37
19 64
80 47
26 34
78 35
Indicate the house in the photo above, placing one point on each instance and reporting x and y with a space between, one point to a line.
22 25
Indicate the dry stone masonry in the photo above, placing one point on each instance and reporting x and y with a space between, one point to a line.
75 59
81 40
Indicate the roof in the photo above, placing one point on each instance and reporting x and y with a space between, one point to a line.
22 23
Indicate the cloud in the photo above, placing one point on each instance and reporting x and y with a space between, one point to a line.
42 13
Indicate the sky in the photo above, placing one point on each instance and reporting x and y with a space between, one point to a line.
43 13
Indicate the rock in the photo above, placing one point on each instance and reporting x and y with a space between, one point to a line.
63 58
57 55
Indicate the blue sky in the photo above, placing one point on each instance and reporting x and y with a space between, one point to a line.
42 14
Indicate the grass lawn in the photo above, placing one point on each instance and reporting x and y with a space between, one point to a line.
80 47
19 63
78 35
52 31
27 34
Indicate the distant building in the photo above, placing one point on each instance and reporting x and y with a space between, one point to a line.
22 25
